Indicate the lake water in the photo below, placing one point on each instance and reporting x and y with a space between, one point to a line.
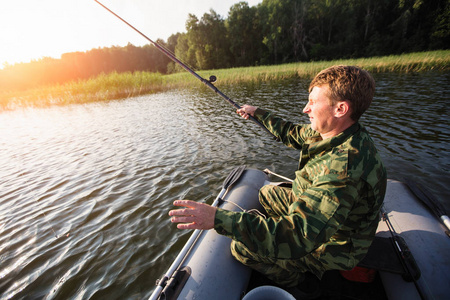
85 189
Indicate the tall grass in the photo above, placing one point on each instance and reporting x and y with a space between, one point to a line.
123 85
406 63
100 88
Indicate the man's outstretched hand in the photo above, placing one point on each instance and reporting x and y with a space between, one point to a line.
194 216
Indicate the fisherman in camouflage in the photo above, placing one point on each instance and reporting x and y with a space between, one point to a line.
328 219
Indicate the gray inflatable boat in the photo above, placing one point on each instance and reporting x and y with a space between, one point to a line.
409 259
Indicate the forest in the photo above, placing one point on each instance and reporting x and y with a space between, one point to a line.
270 33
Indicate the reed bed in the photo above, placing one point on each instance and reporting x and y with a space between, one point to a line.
406 63
117 86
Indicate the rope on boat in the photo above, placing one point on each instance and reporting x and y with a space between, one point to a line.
253 211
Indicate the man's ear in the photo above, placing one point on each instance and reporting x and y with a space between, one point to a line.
342 108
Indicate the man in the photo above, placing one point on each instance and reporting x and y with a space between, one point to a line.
328 219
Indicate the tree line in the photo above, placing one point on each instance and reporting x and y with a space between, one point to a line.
272 32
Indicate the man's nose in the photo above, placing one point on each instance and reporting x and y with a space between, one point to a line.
306 109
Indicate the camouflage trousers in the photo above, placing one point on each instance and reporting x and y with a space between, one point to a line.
285 272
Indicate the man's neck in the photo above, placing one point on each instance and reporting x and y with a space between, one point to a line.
338 129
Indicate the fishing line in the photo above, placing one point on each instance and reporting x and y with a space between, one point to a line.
45 217
40 206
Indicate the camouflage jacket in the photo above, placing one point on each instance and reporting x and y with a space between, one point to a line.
339 188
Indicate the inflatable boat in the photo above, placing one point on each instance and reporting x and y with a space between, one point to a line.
409 258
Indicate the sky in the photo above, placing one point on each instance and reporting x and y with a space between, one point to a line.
32 29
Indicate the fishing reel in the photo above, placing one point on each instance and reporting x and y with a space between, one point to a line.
212 79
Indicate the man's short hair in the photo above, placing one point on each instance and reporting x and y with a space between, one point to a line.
347 83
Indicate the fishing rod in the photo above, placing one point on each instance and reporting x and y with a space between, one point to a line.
404 255
208 83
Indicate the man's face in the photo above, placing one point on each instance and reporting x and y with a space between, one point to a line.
321 113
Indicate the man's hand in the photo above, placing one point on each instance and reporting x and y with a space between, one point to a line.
246 111
194 216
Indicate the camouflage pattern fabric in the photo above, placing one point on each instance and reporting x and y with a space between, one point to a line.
328 219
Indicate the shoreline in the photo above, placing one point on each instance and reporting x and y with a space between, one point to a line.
115 86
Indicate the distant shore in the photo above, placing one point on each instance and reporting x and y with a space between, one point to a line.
123 85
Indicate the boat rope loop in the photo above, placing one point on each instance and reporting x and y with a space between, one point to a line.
253 211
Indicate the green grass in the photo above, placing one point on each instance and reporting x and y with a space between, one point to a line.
124 85
407 63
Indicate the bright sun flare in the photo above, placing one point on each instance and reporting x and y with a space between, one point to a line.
31 29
